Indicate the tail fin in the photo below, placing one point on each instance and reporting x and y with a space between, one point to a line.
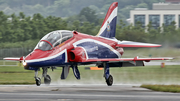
108 28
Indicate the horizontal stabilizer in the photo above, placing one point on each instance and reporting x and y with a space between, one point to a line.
136 44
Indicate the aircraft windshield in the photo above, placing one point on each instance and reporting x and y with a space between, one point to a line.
53 39
44 46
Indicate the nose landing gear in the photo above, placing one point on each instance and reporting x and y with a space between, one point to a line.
38 81
47 78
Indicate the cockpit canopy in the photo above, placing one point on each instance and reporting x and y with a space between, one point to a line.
53 39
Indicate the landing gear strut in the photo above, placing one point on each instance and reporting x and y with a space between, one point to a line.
107 76
47 78
37 79
76 72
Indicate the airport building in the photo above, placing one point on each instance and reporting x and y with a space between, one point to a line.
161 13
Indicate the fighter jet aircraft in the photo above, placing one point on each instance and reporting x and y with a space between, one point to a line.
63 48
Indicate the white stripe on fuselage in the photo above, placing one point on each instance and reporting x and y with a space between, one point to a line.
95 41
49 58
111 17
85 52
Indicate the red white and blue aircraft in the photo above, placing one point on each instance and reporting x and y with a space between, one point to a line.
63 48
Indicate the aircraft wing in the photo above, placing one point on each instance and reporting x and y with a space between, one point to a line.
136 44
126 59
13 58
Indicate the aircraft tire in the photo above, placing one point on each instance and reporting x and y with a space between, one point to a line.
109 81
38 81
47 80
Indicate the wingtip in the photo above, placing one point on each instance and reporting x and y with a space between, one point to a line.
12 58
168 58
158 45
171 58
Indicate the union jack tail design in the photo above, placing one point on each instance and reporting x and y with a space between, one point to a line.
108 28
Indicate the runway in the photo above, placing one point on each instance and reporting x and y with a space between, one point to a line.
82 93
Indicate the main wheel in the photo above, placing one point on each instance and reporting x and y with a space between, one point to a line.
38 81
109 81
47 80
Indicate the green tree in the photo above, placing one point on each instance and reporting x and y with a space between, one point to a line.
55 23
89 14
131 33
4 26
26 27
76 25
17 34
88 28
38 26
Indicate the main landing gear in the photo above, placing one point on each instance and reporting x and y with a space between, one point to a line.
47 78
107 76
65 72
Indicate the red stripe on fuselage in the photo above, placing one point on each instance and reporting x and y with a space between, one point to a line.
111 8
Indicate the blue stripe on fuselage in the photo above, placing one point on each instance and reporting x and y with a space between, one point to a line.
95 50
112 31
59 60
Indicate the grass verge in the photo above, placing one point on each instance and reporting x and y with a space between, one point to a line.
163 88
124 75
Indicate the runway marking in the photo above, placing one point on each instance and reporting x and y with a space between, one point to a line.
174 96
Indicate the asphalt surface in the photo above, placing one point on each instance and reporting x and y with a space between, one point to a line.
82 93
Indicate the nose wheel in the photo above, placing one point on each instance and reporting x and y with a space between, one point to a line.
38 81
